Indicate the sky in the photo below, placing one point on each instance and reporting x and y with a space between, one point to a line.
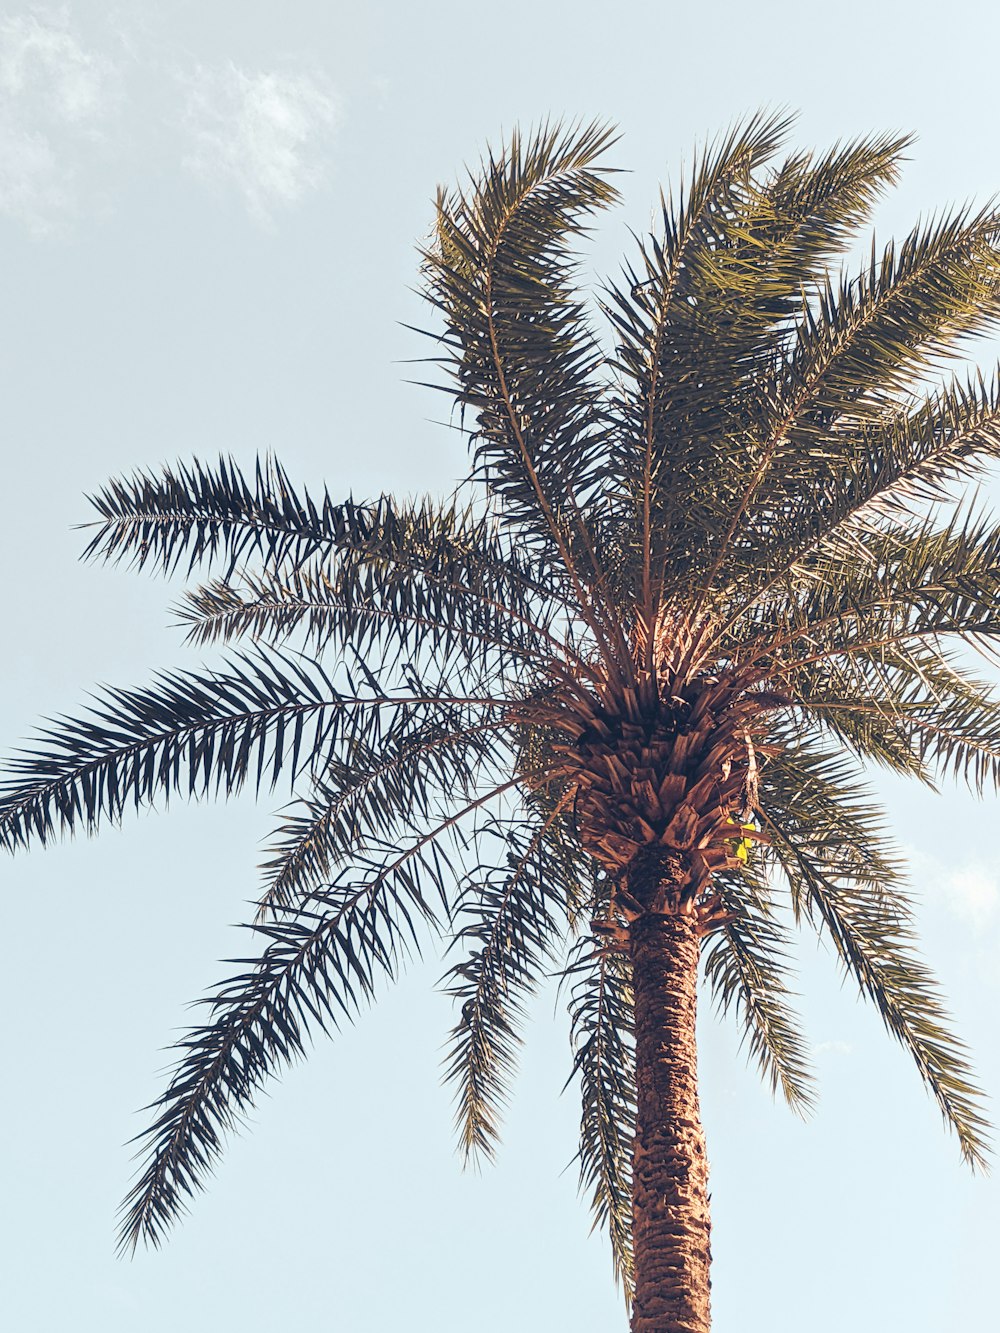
209 220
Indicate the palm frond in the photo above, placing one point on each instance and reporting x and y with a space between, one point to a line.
873 936
869 731
372 790
506 921
943 722
702 313
871 337
824 803
190 734
319 965
858 351
316 968
809 210
602 1020
866 472
746 967
202 513
661 335
902 585
486 629
516 339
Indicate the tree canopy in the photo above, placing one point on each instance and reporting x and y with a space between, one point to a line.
714 558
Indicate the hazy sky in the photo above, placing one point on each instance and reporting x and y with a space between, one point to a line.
209 216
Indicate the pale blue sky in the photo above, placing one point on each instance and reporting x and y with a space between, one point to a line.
209 217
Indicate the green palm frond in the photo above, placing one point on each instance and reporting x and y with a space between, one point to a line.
506 922
369 608
867 729
870 470
865 639
191 734
916 456
321 962
860 348
904 582
872 337
502 270
701 316
824 803
871 929
201 513
746 967
660 336
940 721
820 799
811 206
316 968
419 760
601 1019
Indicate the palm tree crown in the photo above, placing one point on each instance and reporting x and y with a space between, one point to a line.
700 574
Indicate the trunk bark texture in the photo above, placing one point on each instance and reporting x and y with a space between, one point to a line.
670 1214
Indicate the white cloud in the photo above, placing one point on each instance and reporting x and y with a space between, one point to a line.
832 1048
55 96
45 62
264 133
972 892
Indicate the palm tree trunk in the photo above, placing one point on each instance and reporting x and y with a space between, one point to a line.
670 1216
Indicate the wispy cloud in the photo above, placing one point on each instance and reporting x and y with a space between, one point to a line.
972 892
265 133
56 96
832 1048
966 899
969 891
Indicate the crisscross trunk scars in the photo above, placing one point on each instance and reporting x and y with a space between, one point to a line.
670 1214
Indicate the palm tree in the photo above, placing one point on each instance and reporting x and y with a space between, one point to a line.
604 712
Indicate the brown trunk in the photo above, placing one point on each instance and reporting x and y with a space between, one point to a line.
670 1218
